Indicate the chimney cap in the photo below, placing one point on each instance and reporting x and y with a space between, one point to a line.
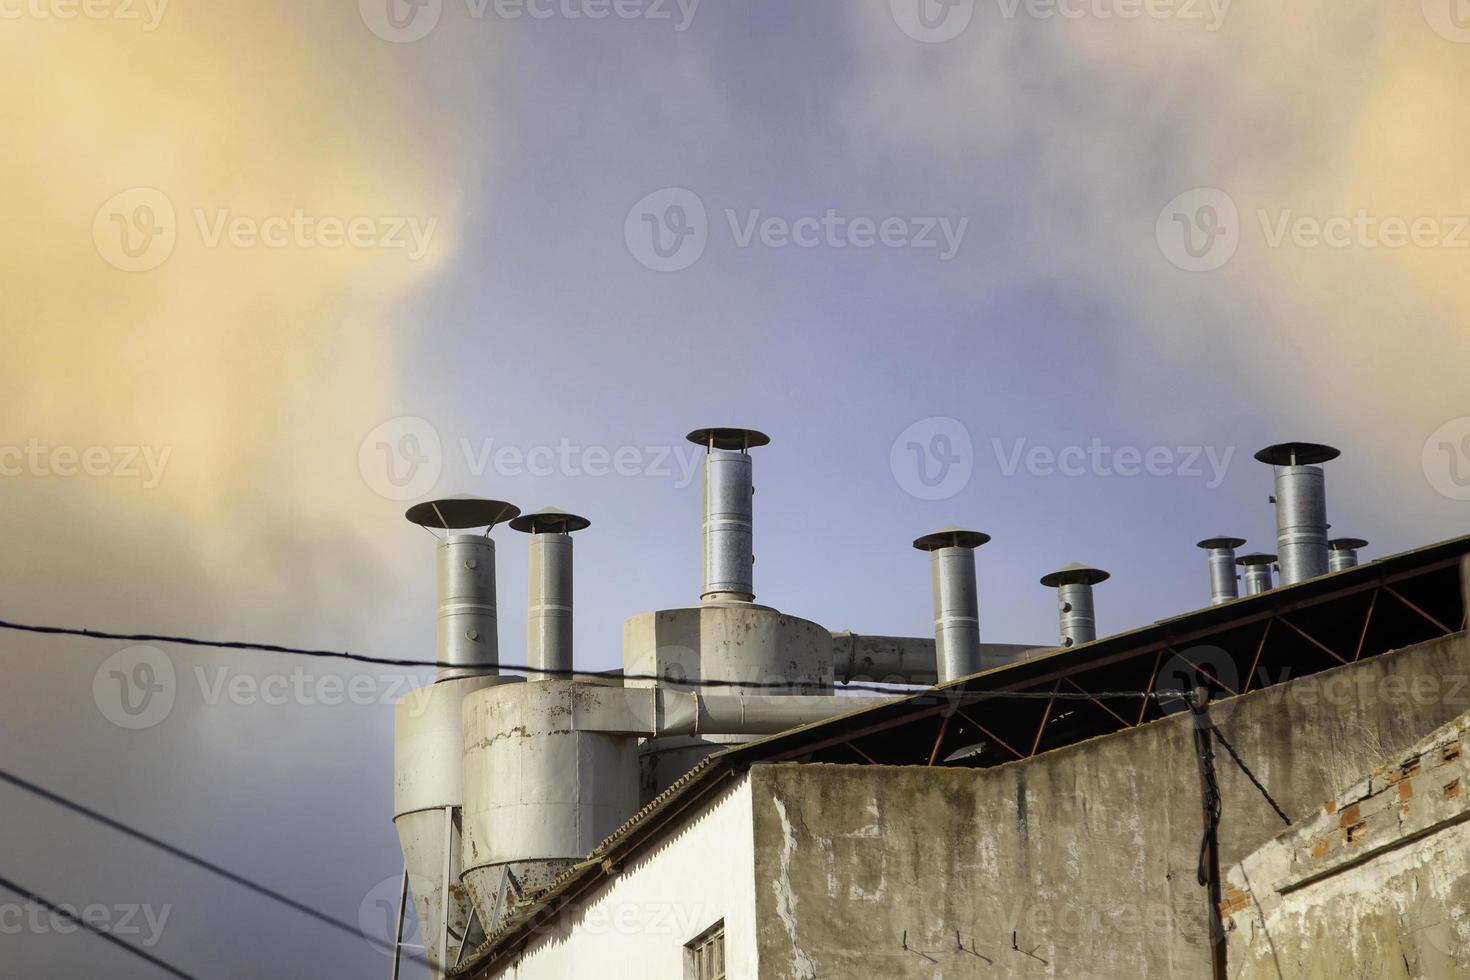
951 536
1221 542
1347 544
550 520
1075 574
1297 454
728 438
1255 558
460 511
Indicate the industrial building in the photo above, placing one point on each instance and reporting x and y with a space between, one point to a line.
1267 786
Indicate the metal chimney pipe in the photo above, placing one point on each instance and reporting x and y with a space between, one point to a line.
1224 582
1301 507
468 640
1074 601
1257 572
956 600
549 589
729 556
1343 553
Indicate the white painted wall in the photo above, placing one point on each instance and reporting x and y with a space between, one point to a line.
635 926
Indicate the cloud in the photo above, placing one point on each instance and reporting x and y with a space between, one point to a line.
1086 127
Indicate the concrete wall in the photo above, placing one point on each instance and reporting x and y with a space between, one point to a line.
1373 886
635 926
1087 853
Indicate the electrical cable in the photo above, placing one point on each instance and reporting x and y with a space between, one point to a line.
1251 776
555 672
55 909
183 855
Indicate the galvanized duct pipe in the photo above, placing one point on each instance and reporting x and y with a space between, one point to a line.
1224 580
468 630
908 659
1301 507
729 489
1343 553
1257 572
1074 601
549 589
956 601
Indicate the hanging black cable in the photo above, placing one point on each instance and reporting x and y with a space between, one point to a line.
55 909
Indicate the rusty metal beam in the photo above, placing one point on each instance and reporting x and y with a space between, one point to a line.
866 758
1312 640
1400 597
1250 675
1202 671
1149 691
1095 701
991 735
939 739
1041 729
1367 621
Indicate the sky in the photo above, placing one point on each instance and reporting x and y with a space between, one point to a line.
274 272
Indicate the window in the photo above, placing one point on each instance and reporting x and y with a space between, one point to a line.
704 958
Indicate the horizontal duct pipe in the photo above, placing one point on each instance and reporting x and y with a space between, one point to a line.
909 659
658 712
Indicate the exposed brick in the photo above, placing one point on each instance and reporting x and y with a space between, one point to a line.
1452 788
1406 789
1349 816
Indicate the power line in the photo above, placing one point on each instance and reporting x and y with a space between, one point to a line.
550 671
1251 776
55 909
183 855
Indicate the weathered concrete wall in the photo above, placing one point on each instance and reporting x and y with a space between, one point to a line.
1087 854
1374 886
